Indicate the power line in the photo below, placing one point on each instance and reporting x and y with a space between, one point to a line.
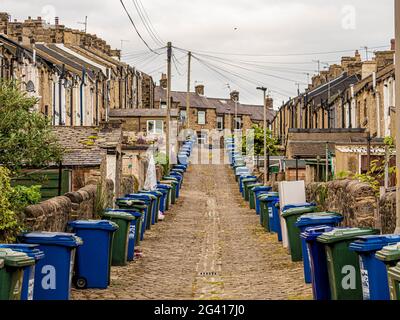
255 71
150 23
284 54
145 24
134 26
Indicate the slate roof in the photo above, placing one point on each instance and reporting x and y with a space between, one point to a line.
221 106
331 88
86 146
133 113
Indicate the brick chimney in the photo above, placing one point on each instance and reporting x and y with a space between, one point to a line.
200 89
270 103
164 81
235 95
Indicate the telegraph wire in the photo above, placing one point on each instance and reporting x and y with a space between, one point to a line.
150 23
145 24
136 29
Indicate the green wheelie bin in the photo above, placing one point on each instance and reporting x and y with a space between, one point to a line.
343 264
291 216
246 184
140 207
121 236
172 184
390 256
394 282
12 273
265 211
252 200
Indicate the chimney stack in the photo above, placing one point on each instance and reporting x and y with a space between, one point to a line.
164 81
200 89
270 103
235 95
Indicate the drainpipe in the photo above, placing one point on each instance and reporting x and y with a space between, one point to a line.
97 102
81 94
60 80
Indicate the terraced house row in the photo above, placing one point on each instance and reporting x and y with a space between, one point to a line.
76 76
353 95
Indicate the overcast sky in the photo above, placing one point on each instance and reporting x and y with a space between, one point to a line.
268 37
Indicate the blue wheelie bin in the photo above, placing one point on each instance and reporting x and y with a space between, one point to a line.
93 258
150 201
54 272
163 200
317 257
32 250
374 277
314 220
274 216
168 202
257 191
157 208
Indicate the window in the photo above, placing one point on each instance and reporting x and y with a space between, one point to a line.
155 127
163 105
220 123
238 123
183 115
201 138
201 117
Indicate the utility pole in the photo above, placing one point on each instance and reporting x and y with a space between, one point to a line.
266 169
397 66
236 115
168 117
188 91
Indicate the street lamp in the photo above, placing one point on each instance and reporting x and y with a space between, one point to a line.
266 169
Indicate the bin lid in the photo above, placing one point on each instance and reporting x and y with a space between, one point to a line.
163 186
30 249
142 197
120 214
154 192
298 205
131 212
94 224
394 272
262 188
319 218
15 258
298 211
151 196
343 234
251 179
255 185
312 233
374 242
389 253
52 238
131 203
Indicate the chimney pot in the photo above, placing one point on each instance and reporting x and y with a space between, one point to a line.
235 95
164 81
200 89
57 21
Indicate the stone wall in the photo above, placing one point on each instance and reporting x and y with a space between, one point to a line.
387 212
54 214
356 201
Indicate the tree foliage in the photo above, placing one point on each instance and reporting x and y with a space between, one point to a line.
26 138
258 134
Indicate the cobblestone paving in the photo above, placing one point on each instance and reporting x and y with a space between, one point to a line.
210 246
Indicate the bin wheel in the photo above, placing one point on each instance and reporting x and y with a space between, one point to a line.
81 283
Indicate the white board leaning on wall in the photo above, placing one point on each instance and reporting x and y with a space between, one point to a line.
290 193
